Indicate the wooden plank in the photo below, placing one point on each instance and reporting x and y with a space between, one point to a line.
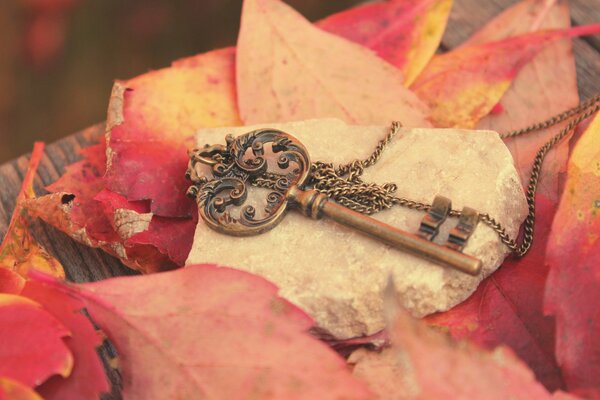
83 264
585 12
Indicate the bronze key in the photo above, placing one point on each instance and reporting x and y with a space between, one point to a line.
245 161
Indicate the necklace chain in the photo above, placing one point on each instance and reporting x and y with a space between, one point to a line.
344 184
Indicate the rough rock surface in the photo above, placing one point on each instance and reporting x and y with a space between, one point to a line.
337 275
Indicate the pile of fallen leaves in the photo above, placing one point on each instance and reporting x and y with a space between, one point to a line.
529 331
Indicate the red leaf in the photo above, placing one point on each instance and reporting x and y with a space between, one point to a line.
425 364
171 236
73 209
406 33
213 332
137 227
287 70
151 121
31 342
545 87
506 309
87 379
573 252
83 180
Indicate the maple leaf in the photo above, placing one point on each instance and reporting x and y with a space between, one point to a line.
507 308
544 87
425 364
11 389
287 70
463 85
31 342
19 251
573 287
213 332
87 379
405 33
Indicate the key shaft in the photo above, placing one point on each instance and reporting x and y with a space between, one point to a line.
317 205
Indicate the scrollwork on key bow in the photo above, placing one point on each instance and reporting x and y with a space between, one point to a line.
220 176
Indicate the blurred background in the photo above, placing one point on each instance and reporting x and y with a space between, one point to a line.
59 57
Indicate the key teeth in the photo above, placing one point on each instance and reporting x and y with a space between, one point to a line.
460 234
431 223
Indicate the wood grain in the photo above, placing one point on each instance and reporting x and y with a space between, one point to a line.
587 12
84 264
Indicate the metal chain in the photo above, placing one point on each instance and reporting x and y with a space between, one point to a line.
583 111
344 184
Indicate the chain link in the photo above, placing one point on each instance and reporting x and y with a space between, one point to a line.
344 184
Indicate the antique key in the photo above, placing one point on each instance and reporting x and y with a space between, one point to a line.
245 160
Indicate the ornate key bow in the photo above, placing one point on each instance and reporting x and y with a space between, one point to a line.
278 161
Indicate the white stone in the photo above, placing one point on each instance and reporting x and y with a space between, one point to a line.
337 275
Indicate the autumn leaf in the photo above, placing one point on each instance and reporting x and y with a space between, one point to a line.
72 208
151 121
31 342
507 308
19 251
213 332
288 70
405 33
573 287
544 87
425 364
11 389
463 85
87 379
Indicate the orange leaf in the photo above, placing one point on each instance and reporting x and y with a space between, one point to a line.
463 85
425 364
31 342
573 253
406 33
287 69
14 390
546 86
19 251
216 333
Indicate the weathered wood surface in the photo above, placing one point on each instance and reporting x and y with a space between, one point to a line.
83 264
